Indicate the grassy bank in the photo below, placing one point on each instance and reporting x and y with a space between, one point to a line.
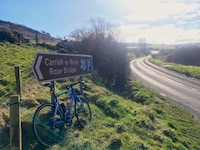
140 120
143 120
191 71
15 55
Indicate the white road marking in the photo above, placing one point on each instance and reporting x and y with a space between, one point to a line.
172 81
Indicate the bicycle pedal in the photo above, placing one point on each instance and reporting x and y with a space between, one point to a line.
69 122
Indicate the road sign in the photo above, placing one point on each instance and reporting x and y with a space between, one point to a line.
57 66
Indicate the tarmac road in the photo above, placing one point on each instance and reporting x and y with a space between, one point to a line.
183 90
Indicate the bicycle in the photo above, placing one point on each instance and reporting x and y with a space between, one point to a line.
50 118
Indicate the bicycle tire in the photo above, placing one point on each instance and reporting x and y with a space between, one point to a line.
45 132
83 111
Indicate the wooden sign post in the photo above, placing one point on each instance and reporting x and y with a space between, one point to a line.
15 123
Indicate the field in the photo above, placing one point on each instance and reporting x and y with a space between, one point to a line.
140 119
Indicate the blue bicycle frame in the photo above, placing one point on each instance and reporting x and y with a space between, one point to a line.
50 118
67 117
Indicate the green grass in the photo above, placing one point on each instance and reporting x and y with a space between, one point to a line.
15 55
191 71
140 120
159 62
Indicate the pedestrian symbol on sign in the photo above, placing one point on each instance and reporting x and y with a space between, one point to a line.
83 64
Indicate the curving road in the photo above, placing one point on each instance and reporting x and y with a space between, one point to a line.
177 87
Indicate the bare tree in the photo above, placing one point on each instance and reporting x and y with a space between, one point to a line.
95 26
98 38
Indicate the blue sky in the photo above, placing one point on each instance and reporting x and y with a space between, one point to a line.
158 21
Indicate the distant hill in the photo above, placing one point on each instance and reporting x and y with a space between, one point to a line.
28 33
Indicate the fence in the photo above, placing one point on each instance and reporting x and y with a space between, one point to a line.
8 88
23 79
15 110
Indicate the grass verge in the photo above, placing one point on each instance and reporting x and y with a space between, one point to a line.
141 120
191 71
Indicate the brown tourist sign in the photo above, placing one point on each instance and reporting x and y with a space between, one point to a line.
57 66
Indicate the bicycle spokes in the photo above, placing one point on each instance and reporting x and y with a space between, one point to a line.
83 111
47 125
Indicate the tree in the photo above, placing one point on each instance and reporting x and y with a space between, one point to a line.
11 36
99 39
186 55
142 47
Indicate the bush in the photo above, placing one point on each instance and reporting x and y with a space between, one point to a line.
109 57
12 37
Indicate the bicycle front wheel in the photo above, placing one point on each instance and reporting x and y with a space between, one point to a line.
83 111
47 124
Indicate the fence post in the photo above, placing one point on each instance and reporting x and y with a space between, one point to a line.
18 80
15 123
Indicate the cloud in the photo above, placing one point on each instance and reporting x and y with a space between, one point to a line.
146 10
157 9
166 34
162 21
181 22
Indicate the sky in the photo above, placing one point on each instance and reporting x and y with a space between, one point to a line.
156 21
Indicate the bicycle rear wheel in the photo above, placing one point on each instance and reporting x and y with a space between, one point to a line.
48 127
83 111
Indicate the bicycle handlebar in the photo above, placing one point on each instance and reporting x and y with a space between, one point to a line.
83 82
71 85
